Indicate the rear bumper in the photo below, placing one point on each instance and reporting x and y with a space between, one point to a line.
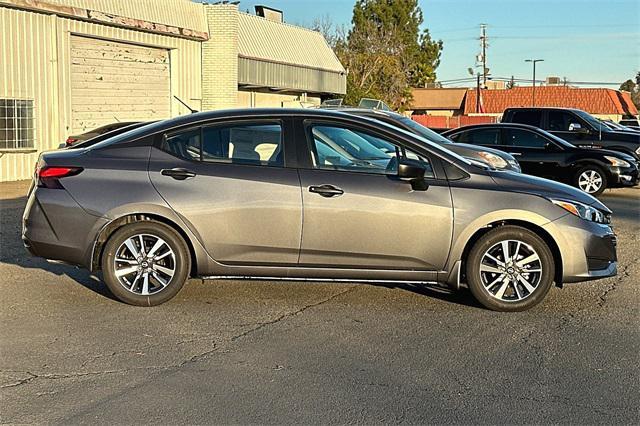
588 249
55 227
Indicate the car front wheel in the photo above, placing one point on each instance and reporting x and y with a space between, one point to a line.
510 269
591 179
145 263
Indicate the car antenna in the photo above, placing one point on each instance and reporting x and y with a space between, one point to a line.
184 103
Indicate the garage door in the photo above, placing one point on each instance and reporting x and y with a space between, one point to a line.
112 81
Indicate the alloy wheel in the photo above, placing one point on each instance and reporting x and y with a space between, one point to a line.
144 264
590 181
510 270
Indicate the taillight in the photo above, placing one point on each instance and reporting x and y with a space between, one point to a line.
48 176
70 141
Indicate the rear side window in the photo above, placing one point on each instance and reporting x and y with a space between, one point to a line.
480 137
525 139
259 144
254 144
532 118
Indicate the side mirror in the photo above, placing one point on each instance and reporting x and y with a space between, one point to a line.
577 128
413 172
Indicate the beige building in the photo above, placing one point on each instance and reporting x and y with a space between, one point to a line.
68 66
260 61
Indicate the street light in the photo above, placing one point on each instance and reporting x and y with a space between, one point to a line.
533 95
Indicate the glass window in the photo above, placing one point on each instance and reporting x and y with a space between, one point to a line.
16 124
532 118
251 144
246 144
480 136
184 144
341 148
560 120
525 139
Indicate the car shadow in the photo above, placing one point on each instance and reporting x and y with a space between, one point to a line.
13 252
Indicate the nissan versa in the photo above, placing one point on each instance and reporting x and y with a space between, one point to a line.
308 194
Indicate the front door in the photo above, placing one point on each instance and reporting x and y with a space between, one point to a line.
358 214
536 154
230 184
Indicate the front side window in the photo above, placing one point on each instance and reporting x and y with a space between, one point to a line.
16 124
342 148
259 144
532 118
525 139
480 137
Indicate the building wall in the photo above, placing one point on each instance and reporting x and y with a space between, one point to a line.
35 64
220 58
257 99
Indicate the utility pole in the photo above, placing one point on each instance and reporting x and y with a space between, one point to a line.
478 95
484 43
533 93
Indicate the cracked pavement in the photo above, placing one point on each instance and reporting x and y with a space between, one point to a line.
283 352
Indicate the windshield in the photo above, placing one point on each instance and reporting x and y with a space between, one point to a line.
423 131
594 122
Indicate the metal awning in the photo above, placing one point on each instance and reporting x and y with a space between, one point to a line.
280 56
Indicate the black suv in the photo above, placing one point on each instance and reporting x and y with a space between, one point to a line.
542 154
577 127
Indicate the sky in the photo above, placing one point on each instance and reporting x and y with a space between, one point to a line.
582 40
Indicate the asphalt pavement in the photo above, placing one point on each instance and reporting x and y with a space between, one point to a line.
285 352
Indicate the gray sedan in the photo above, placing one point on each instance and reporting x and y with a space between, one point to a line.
308 195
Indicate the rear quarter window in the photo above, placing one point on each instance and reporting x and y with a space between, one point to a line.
532 118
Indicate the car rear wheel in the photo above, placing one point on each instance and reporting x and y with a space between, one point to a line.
591 179
145 263
510 269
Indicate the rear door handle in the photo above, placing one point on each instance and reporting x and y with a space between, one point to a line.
327 191
178 173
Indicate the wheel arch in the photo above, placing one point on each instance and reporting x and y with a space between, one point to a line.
110 228
538 230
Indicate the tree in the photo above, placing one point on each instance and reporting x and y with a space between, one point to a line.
511 83
633 87
385 52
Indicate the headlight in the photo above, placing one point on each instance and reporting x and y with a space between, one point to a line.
583 211
495 161
638 150
617 162
515 165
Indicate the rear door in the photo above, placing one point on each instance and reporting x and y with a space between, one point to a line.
231 184
358 214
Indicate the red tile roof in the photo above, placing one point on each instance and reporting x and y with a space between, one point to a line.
594 101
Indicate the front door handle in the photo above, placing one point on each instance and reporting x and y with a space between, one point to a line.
327 191
515 154
178 173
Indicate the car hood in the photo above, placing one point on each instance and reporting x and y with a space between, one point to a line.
616 154
622 136
545 188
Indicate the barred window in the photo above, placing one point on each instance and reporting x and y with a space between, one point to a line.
16 124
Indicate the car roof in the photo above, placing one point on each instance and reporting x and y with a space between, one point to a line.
542 107
502 125
363 111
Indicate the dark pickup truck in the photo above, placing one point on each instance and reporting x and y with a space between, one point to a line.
577 127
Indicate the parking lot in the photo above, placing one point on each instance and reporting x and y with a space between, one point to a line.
267 352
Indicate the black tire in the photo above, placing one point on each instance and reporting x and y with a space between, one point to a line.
179 261
514 297
587 171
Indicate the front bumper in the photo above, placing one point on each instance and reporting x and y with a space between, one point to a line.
588 249
624 177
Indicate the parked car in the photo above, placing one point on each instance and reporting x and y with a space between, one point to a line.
542 154
104 136
493 157
630 122
577 127
76 139
261 193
